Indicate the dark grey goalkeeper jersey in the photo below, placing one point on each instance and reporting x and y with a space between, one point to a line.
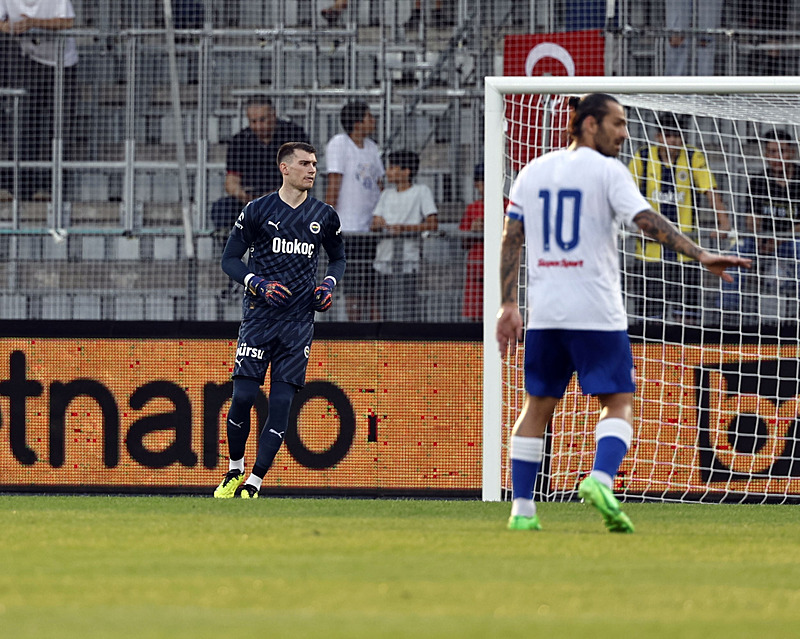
284 245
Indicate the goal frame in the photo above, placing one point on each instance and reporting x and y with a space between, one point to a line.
495 88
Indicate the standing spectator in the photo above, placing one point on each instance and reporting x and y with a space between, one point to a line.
671 174
35 71
355 174
278 308
443 15
775 195
334 13
691 14
576 319
407 209
250 162
774 222
472 220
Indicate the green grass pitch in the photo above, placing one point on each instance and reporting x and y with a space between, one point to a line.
142 567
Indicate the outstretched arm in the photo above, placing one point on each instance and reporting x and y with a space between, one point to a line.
509 320
659 228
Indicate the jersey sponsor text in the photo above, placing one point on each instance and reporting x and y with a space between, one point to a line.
292 247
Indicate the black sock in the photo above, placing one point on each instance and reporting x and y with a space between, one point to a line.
238 424
281 395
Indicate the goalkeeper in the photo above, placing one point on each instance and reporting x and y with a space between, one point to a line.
567 207
282 234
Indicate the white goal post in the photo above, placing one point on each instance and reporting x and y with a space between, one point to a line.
682 454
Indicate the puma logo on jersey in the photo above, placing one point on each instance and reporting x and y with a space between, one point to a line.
275 224
272 430
237 424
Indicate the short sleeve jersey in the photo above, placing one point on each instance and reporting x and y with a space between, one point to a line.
255 162
411 206
775 204
284 246
572 203
671 192
361 169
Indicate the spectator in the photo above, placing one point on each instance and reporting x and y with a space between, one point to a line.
34 69
472 220
443 15
683 15
355 174
404 210
775 195
670 175
773 223
334 13
250 164
774 16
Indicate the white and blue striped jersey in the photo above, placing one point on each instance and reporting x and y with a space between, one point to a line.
283 244
572 202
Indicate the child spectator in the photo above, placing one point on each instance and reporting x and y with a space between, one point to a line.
403 212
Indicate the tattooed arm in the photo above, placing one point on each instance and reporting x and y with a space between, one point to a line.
509 319
656 226
659 228
513 237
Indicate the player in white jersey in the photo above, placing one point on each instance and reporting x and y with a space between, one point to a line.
569 205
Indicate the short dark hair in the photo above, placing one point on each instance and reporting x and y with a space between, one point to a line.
670 123
258 100
777 135
594 104
405 160
352 113
290 147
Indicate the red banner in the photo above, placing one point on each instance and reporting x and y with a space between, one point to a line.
538 124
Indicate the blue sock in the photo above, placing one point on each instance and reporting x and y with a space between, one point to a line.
610 453
523 478
526 460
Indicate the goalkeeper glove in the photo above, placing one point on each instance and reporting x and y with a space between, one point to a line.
323 295
275 293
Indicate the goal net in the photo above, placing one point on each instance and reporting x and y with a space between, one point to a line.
715 412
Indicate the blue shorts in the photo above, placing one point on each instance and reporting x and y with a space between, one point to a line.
282 345
602 359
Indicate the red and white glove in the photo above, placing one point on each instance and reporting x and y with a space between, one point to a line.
275 293
323 294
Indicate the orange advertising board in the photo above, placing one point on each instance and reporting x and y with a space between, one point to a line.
707 420
150 414
382 416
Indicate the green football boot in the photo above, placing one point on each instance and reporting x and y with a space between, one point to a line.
247 491
596 494
232 481
520 522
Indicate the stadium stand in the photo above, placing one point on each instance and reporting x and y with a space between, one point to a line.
116 210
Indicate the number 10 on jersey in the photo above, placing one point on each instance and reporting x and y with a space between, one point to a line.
567 201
